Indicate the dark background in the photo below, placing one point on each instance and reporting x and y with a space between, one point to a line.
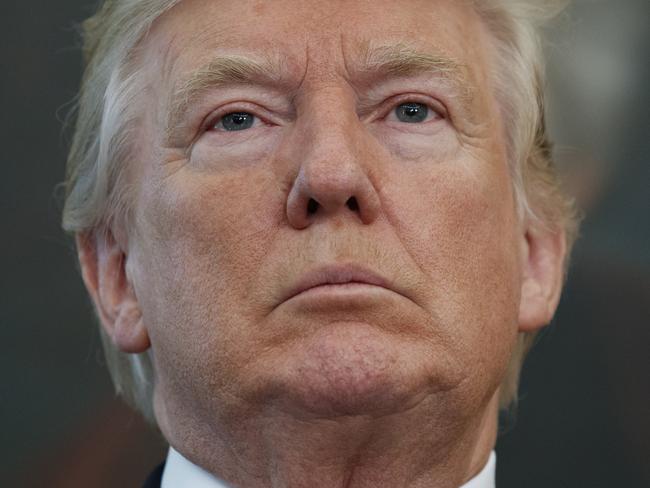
584 413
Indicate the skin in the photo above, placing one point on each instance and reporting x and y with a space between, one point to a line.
357 386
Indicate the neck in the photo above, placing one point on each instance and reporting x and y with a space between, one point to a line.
416 448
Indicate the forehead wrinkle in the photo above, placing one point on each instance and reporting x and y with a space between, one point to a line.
222 71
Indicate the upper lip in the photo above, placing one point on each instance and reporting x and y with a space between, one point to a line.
337 274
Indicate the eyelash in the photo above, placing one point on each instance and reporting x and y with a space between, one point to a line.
213 119
436 108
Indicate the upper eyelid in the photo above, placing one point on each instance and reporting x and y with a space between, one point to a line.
436 105
432 108
386 107
216 115
217 119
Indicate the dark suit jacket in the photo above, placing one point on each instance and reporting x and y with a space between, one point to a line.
154 479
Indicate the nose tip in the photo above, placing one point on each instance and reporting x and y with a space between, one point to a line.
318 194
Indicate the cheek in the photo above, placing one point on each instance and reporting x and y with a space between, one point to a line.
209 216
459 225
202 236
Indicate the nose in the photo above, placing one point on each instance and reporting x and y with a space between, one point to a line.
333 178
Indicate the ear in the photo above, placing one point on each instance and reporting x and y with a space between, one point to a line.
542 277
103 267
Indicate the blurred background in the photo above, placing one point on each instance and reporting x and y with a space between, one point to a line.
584 413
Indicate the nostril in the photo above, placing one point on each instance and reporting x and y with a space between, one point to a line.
352 204
312 206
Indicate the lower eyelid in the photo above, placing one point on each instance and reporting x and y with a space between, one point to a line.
259 131
433 116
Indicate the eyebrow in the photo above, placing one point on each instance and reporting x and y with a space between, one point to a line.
392 61
219 72
401 60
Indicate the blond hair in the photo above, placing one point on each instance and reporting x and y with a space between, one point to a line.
97 196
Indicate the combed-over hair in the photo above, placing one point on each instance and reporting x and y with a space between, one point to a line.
107 118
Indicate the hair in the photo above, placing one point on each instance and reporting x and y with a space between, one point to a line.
107 120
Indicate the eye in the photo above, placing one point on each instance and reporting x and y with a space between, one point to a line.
412 112
235 121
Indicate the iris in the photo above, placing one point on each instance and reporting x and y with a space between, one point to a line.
237 121
412 112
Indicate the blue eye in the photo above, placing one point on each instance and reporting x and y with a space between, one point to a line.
412 113
235 121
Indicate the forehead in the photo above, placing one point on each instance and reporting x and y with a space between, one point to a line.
320 37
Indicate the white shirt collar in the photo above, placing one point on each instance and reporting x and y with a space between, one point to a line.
486 478
181 473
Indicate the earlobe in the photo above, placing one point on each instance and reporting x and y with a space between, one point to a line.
129 332
103 267
542 277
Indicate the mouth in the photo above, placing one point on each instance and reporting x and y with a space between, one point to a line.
340 277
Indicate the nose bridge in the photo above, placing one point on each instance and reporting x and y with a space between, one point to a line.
331 126
331 163
333 171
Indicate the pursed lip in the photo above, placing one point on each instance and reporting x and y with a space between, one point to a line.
337 275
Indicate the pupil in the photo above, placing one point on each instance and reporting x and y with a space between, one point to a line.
237 121
412 112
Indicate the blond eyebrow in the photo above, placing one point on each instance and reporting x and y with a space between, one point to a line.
395 60
219 72
401 60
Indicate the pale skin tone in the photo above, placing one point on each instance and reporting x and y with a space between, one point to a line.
336 161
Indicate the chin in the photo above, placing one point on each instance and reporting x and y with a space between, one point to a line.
347 369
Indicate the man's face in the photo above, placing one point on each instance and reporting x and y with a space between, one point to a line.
289 138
